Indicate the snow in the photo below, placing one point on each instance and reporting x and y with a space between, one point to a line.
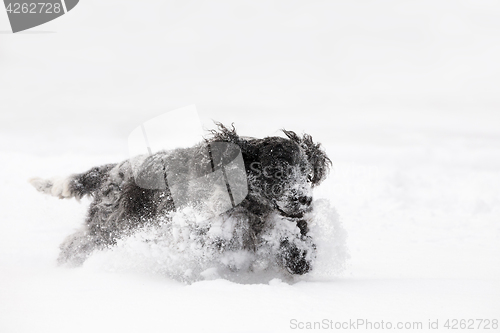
403 97
182 251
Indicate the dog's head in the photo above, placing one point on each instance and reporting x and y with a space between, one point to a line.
287 169
281 170
318 161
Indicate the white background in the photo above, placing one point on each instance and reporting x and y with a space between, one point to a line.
403 95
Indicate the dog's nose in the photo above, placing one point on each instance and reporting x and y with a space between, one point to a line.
305 200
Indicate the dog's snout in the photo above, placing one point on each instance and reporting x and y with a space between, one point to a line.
304 200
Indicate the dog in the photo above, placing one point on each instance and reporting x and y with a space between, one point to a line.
280 173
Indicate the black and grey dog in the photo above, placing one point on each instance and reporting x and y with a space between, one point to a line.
280 175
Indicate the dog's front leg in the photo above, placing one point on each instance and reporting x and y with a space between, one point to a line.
297 252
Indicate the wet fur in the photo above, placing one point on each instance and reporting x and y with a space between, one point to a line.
119 206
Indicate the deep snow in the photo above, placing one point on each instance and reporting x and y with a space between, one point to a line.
403 97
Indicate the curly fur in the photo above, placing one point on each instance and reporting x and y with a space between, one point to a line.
294 165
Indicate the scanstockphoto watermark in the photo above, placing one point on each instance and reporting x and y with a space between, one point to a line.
354 324
367 324
210 177
275 173
26 14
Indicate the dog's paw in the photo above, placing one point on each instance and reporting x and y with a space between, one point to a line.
296 261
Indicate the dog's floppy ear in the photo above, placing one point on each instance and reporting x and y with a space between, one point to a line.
224 134
316 156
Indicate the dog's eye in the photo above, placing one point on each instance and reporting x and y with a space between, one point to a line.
309 178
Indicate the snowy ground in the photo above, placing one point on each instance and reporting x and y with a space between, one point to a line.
404 98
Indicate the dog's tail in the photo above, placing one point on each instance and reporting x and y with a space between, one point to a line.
73 186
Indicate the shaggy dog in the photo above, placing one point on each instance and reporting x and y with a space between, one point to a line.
280 175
